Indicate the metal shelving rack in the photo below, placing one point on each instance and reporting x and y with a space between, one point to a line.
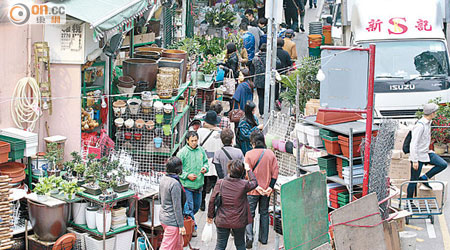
130 194
349 129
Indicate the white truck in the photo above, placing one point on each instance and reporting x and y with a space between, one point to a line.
411 60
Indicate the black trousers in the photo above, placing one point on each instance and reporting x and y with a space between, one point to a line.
210 182
291 18
260 100
224 233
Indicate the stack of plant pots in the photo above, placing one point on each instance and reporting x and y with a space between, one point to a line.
5 213
144 211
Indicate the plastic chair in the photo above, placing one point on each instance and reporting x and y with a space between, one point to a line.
65 242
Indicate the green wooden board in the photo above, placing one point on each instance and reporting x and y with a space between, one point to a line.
304 212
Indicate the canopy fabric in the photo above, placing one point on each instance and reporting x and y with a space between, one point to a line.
106 17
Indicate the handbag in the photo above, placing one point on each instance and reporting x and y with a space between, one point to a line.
218 200
229 83
189 225
236 115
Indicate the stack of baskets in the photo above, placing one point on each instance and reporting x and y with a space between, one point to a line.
315 38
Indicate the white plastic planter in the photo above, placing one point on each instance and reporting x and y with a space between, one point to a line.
79 213
99 220
93 244
124 240
90 219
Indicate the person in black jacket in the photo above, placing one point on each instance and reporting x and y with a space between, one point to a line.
286 64
291 11
232 62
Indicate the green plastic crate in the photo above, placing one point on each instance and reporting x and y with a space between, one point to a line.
328 163
327 132
344 195
330 138
340 199
17 147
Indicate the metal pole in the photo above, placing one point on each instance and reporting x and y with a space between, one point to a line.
268 73
369 120
274 66
277 236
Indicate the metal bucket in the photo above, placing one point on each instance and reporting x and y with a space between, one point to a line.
141 69
49 223
181 54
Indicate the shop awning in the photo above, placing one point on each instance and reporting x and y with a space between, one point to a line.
106 16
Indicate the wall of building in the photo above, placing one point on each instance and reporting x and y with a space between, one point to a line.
65 79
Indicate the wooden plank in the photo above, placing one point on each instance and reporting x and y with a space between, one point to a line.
349 237
391 235
304 212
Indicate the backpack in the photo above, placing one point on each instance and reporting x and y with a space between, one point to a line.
407 142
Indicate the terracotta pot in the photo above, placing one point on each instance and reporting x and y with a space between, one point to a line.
155 49
140 123
141 70
147 54
181 54
327 117
126 81
150 125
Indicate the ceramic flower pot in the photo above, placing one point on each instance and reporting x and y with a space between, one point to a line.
168 109
140 123
167 129
119 122
129 123
150 125
99 220
208 77
269 139
138 136
157 141
159 118
42 197
158 106
128 136
146 96
133 105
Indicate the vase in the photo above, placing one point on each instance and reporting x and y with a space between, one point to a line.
440 149
208 77
48 228
79 212
99 220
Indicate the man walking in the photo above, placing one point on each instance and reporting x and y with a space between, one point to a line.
195 165
289 45
291 11
264 165
420 152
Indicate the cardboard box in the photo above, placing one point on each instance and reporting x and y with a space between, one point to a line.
397 154
436 192
148 37
400 169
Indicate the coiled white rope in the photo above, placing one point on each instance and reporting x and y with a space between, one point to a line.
25 107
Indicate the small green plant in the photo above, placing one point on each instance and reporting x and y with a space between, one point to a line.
209 67
103 186
43 187
53 155
70 189
79 169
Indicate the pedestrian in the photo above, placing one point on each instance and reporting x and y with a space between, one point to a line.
248 40
250 18
289 45
216 105
256 32
262 25
173 198
419 150
284 56
233 212
244 91
292 9
226 154
261 6
209 139
195 165
232 61
264 165
311 3
302 12
258 69
246 126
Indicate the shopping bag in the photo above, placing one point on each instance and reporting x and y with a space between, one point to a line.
229 83
220 75
207 232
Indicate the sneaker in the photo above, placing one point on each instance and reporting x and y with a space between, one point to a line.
315 5
261 116
249 244
194 233
302 28
412 205
427 185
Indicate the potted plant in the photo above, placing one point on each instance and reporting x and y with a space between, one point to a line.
54 157
80 169
118 183
208 68
107 194
42 189
440 134
69 189
92 173
55 183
